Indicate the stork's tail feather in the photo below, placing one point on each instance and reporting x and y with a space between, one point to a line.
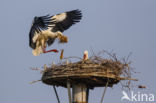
37 51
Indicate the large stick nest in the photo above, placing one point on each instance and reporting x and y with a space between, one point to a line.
94 72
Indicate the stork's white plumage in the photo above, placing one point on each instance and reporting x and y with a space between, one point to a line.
46 29
85 55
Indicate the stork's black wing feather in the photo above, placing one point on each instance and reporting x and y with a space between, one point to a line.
58 22
71 18
39 24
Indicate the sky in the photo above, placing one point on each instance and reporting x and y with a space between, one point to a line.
121 26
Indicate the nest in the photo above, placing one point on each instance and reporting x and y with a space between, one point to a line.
94 72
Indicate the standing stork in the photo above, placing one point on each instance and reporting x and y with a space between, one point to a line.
46 29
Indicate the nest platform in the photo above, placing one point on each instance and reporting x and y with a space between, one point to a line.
92 73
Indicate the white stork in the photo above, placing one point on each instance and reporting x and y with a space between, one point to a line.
46 29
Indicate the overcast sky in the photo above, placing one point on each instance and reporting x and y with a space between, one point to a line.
122 26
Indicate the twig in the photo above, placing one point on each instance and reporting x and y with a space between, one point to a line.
73 57
34 81
35 69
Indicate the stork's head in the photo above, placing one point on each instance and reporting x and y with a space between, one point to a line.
85 55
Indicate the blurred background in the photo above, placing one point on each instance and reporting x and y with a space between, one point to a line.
121 26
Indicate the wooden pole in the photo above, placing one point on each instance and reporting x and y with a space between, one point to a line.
80 91
68 87
104 91
56 94
69 92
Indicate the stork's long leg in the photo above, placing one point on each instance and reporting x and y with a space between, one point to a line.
53 50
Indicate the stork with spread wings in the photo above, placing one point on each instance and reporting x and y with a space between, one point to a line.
46 29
